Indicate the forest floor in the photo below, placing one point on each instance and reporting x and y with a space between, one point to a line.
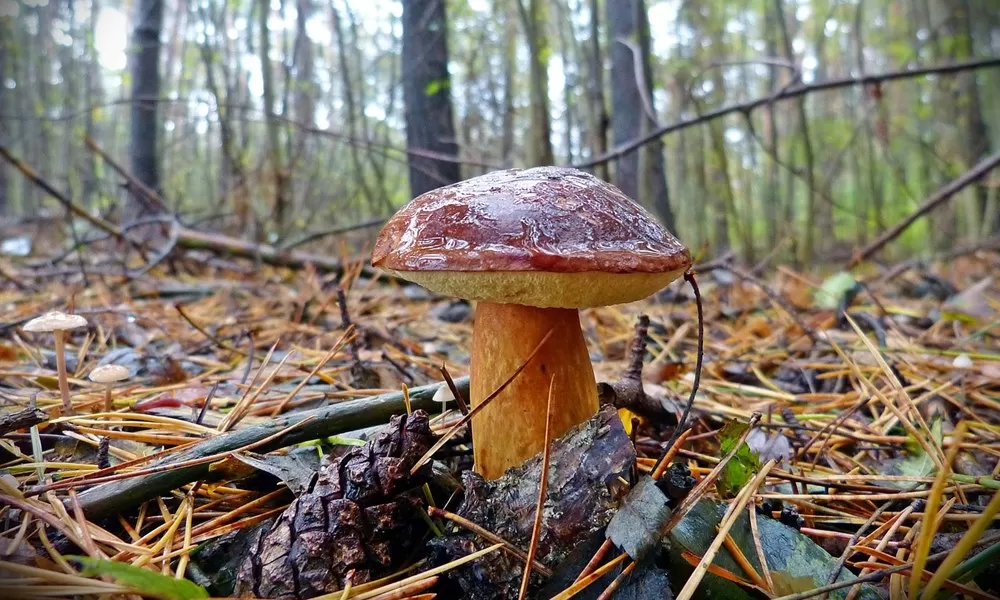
261 443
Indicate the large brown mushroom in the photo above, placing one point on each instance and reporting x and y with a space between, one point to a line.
532 247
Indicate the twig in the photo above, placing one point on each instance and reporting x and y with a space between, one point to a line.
689 276
543 486
945 192
315 235
22 419
489 536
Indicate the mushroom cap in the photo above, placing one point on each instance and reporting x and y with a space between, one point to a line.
544 236
108 374
54 321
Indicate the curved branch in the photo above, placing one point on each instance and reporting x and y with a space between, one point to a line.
786 94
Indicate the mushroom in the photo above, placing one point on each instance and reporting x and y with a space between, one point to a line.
108 374
57 323
531 247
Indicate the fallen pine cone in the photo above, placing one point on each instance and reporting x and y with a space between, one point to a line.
361 515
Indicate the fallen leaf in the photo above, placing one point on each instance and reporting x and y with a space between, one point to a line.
797 564
833 289
742 467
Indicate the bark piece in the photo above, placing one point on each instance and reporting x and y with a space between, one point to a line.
586 472
360 514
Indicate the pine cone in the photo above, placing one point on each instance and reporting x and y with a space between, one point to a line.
361 514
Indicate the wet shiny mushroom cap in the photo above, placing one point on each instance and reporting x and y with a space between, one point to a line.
108 374
54 321
545 236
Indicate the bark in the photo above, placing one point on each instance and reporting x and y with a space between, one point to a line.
427 95
145 127
629 85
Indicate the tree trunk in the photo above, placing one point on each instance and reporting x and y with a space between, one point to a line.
534 19
6 101
427 95
280 178
965 94
509 68
145 128
94 94
629 86
595 90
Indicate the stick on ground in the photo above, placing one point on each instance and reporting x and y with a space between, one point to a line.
114 497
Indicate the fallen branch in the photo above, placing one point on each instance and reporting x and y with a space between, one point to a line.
786 94
35 178
950 189
117 496
266 253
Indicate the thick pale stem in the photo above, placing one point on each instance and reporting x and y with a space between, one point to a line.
61 369
512 428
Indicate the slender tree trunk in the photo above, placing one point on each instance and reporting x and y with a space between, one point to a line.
535 26
427 94
966 95
808 245
145 127
509 67
631 90
93 95
569 78
772 194
595 90
280 177
7 102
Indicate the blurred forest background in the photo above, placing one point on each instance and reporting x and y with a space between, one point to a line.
271 119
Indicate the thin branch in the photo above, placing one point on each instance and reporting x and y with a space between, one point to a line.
942 194
791 92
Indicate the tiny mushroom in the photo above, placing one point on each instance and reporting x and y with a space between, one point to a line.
108 374
532 247
57 323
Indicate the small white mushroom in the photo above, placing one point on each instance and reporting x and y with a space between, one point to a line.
57 323
108 375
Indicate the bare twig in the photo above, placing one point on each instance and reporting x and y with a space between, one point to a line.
791 92
944 193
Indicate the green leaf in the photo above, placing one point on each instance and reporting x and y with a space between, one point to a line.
915 462
797 564
742 467
141 581
833 289
435 86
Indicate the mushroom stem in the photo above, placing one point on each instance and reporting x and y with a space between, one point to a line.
108 405
61 370
512 428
